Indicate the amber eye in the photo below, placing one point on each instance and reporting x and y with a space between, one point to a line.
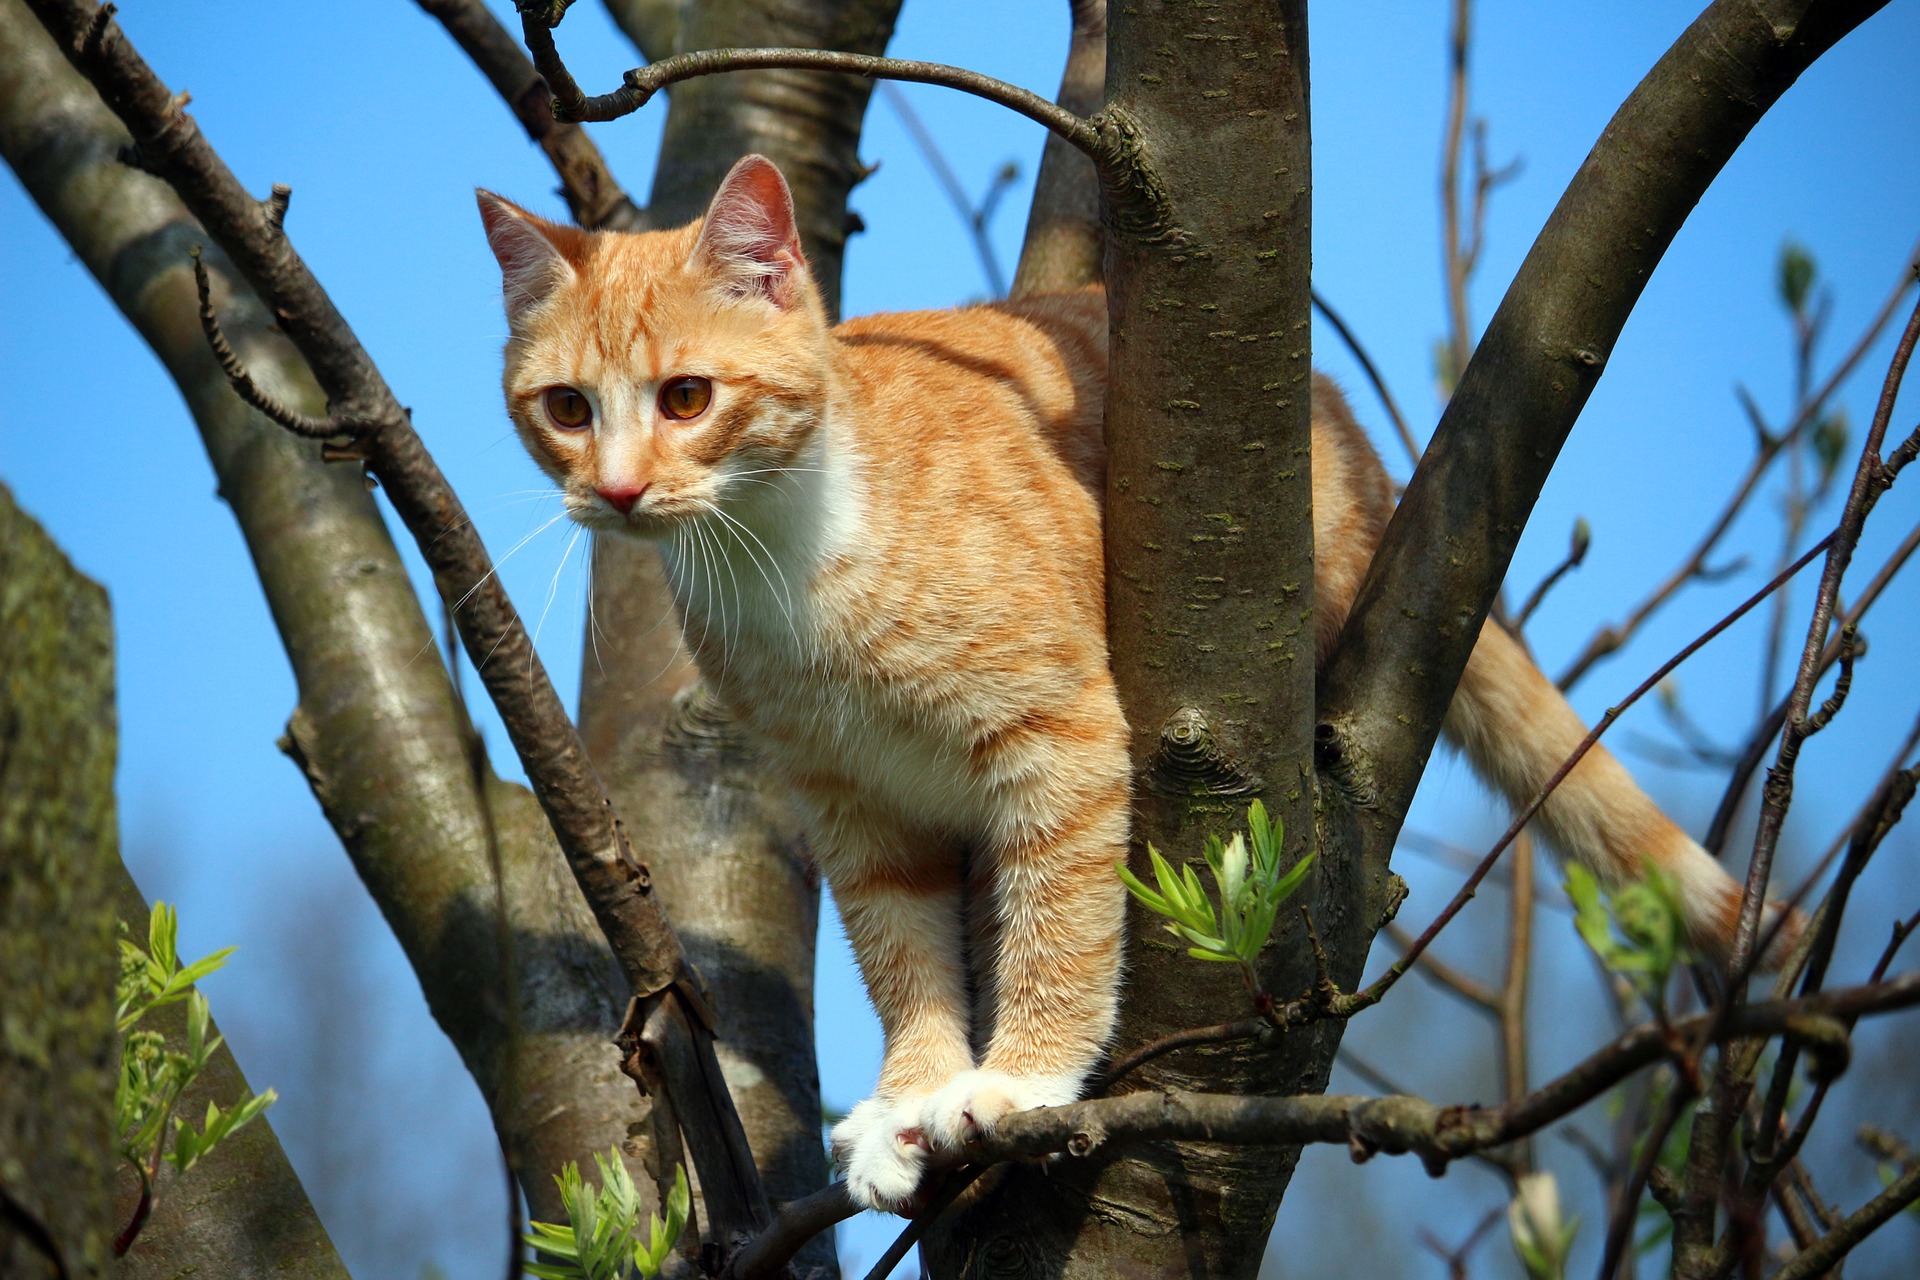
568 408
685 397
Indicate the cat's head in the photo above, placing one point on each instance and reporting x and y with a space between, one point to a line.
653 375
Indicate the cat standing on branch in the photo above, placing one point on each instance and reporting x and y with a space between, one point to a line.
884 542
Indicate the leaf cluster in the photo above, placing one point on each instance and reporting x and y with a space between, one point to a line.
599 1241
1249 884
1637 929
154 1074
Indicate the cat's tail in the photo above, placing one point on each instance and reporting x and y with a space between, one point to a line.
1517 730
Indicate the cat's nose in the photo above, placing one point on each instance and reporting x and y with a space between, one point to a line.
622 497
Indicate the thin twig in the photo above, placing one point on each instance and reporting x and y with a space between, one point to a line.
1367 367
1839 1242
301 424
1614 635
1372 994
1756 747
976 219
1576 554
957 1181
596 200
1477 994
1222 1033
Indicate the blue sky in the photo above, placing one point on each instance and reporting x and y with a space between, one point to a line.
374 118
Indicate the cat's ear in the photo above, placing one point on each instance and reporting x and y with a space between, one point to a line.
533 253
749 240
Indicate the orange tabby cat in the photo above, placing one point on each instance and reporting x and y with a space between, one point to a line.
884 543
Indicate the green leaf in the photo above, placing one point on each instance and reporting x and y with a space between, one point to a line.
1797 273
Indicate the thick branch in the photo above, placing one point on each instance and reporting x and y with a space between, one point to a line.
1447 549
616 887
1064 242
376 733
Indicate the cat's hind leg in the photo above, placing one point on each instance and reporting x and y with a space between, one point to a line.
899 896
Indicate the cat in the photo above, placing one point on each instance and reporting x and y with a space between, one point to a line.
883 540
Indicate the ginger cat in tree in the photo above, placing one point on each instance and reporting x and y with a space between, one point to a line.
884 543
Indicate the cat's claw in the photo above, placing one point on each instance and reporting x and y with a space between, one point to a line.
882 1151
972 1104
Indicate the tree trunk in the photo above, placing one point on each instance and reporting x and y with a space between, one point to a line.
240 1212
377 733
1210 597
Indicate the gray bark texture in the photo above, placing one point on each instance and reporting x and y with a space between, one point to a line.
377 734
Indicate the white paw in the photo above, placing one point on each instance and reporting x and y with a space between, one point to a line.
973 1103
882 1151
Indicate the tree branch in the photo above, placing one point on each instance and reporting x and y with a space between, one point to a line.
596 201
1394 1124
1387 686
1065 243
616 887
1820 1258
641 83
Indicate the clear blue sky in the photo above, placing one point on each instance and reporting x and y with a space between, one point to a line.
374 118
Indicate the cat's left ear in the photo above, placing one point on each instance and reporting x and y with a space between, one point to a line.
532 253
749 239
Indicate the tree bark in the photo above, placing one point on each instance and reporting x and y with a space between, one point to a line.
1210 599
241 1212
376 732
59 1054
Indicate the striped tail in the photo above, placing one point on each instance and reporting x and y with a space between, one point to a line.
1517 729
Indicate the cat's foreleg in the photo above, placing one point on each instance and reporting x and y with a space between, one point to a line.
1056 975
902 910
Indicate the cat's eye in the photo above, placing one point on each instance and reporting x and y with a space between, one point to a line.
685 397
568 408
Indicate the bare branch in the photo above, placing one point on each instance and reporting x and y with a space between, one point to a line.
1347 1005
616 887
1394 1124
595 199
1448 546
1378 383
1576 555
1839 1242
1768 447
301 424
641 83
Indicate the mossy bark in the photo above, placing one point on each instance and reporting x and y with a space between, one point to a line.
241 1211
59 1056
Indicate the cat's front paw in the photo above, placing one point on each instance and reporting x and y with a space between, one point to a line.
973 1103
882 1151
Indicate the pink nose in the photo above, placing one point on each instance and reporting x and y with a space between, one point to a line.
622 497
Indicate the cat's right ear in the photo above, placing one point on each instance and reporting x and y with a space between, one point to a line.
532 261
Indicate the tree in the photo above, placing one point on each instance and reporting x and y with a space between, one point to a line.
1202 156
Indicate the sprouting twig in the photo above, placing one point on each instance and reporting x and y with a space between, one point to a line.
1576 554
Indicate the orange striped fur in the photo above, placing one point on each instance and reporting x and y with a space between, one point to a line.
884 543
